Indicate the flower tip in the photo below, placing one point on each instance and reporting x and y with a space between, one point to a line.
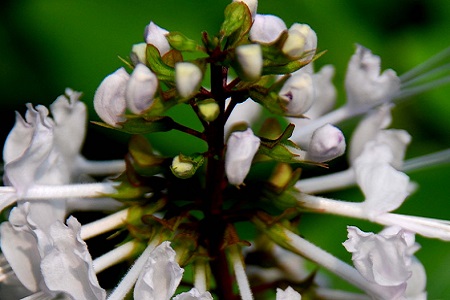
327 143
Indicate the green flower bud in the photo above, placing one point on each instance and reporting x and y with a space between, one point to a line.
209 110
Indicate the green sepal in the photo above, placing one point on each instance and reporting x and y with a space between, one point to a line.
142 124
237 24
142 159
269 99
155 62
180 42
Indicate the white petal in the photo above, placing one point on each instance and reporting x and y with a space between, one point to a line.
364 84
161 275
67 265
241 148
298 94
194 294
18 139
288 294
141 89
156 36
109 99
187 78
266 28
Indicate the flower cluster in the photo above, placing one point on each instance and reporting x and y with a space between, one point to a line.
189 212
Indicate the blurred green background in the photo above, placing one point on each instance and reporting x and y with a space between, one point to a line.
48 45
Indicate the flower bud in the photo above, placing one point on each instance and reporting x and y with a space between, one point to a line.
241 148
138 53
141 89
109 99
298 94
327 143
250 61
363 82
209 110
156 36
301 40
182 169
187 78
266 28
252 6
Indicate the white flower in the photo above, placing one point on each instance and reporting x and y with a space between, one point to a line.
327 143
141 89
288 294
364 84
250 61
266 28
161 275
156 36
109 99
52 260
187 78
298 94
194 294
241 148
385 259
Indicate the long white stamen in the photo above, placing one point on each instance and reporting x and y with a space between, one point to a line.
131 277
95 204
114 257
239 272
327 183
302 247
422 88
104 225
426 161
99 168
426 76
200 278
425 65
330 294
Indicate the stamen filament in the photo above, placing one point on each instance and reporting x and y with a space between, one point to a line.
239 272
114 257
104 225
100 168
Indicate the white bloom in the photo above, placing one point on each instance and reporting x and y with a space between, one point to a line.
141 89
156 36
241 148
327 143
324 92
364 84
266 28
385 259
288 294
52 260
161 275
251 4
187 78
246 112
250 60
298 94
384 187
109 99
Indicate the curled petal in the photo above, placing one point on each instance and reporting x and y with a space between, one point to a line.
161 275
141 89
18 139
288 294
109 99
266 28
380 259
364 84
241 148
194 294
156 36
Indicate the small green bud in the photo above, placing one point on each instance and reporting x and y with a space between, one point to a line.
209 110
185 166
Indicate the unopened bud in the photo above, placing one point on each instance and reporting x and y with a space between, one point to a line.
241 148
109 99
327 143
141 89
156 36
209 110
187 78
250 61
138 53
298 94
307 41
182 169
266 28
